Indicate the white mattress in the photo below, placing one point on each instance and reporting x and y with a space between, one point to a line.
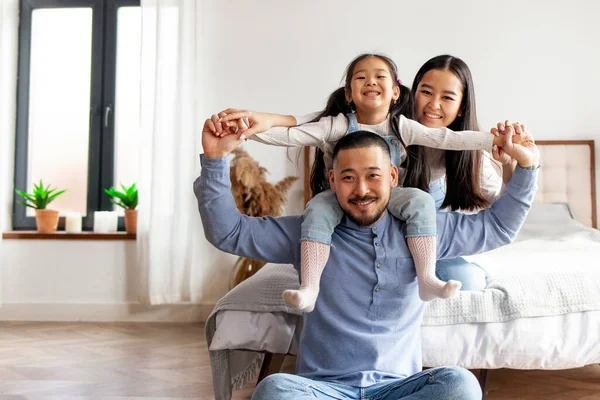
544 342
556 342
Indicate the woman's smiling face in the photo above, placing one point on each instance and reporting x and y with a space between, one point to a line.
439 96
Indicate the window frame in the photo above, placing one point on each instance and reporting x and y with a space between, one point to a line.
101 150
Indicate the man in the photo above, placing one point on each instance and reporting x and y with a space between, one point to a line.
362 340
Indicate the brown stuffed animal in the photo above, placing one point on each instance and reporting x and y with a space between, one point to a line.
256 197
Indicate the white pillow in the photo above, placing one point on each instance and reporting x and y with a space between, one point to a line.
549 213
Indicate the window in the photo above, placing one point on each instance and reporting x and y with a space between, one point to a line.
77 102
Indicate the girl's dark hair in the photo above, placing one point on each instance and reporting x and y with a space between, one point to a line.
463 187
337 104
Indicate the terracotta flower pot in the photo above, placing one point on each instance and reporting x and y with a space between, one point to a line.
131 221
46 220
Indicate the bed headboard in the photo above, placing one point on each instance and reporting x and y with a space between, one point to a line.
568 175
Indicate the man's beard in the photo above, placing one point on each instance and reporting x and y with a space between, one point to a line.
367 219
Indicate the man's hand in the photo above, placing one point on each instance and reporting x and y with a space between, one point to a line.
526 152
214 146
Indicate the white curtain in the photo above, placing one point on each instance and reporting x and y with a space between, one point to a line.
170 93
9 25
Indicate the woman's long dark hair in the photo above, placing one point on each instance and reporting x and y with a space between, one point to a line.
463 187
337 103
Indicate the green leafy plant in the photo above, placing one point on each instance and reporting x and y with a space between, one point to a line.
40 197
128 198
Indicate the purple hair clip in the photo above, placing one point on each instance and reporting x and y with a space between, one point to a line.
399 81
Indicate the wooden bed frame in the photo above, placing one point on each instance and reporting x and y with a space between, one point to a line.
577 179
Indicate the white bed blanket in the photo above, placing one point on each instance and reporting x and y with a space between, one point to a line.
551 269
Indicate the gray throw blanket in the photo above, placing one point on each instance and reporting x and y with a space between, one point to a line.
261 293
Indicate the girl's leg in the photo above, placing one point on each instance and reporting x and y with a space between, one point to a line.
322 215
417 208
314 258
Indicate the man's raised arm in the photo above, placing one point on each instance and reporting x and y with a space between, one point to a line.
460 234
261 238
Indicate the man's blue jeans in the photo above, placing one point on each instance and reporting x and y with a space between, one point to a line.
445 383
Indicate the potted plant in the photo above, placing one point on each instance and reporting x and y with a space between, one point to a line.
128 199
45 220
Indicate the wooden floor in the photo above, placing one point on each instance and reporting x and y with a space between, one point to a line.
55 361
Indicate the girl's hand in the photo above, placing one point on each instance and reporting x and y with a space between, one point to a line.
509 163
217 128
245 123
497 153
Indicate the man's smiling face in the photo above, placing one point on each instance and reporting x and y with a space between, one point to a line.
362 179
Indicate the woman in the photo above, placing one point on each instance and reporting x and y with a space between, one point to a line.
458 180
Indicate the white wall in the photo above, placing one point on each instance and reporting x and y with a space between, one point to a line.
79 280
532 61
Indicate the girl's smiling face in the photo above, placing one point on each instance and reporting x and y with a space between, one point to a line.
372 86
438 97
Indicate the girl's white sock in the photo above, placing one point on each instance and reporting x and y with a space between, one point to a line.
423 250
314 257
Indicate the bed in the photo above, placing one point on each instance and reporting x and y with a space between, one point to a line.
540 310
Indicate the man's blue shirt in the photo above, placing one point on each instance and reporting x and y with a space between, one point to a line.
365 325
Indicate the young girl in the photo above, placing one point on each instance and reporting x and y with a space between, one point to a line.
373 99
